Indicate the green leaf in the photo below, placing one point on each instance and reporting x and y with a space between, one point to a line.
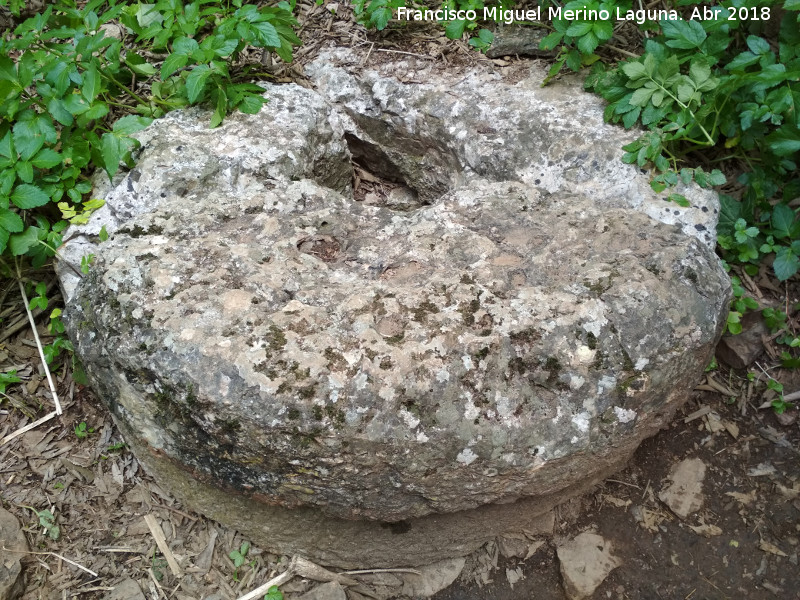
455 29
196 82
588 43
58 109
92 84
251 104
273 593
551 40
792 5
20 243
268 36
683 34
172 63
782 219
641 96
679 199
742 61
785 264
4 235
716 177
131 124
11 221
634 70
24 171
579 28
757 45
29 196
111 152
783 141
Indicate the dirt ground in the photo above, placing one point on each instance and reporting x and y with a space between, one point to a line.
740 541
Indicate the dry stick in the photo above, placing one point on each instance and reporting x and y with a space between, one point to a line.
72 562
39 346
275 581
161 542
27 427
374 571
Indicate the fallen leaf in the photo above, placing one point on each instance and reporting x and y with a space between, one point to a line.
618 502
746 499
771 548
706 530
761 470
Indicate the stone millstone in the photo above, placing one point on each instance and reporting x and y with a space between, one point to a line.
377 386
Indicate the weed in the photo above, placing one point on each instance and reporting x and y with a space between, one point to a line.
239 558
273 593
82 431
47 521
63 83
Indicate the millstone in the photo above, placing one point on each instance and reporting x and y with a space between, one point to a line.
390 383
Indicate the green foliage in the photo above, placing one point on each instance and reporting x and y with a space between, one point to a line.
578 38
47 520
82 431
717 82
239 558
273 593
71 96
8 378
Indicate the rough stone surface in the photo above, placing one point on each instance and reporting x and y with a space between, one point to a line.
510 335
585 562
127 589
684 494
432 578
327 591
11 539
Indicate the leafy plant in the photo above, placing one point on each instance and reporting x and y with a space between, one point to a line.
7 378
716 82
47 520
273 593
71 97
239 558
82 431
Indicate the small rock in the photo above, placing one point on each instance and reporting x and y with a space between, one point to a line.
684 495
512 547
585 562
402 198
11 538
127 589
326 591
433 578
740 351
514 576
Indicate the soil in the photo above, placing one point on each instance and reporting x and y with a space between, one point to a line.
742 542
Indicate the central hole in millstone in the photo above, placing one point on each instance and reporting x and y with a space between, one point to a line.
324 247
377 180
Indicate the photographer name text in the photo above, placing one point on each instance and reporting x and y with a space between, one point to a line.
509 16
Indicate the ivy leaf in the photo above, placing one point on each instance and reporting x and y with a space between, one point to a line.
29 196
196 82
11 221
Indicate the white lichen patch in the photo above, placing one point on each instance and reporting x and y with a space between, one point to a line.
641 364
624 415
581 421
466 456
